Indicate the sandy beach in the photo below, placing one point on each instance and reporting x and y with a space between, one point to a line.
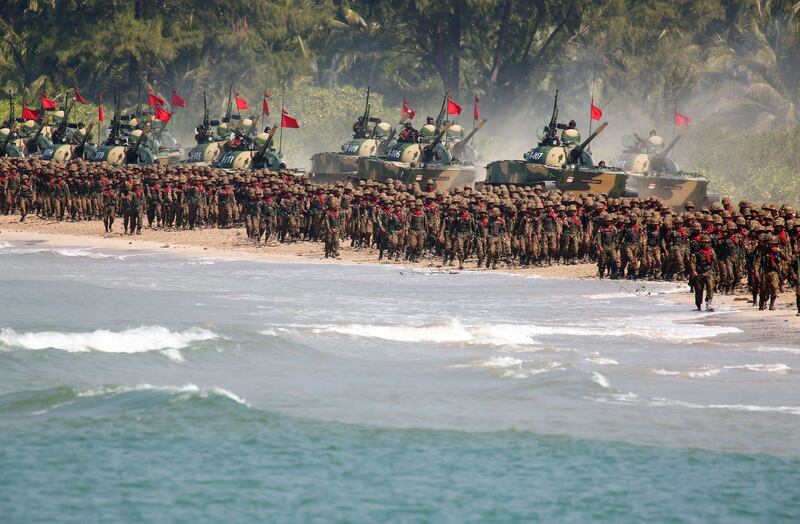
232 244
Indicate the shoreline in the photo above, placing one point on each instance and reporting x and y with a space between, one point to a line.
231 244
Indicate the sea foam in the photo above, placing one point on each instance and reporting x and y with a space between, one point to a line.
457 332
189 389
134 340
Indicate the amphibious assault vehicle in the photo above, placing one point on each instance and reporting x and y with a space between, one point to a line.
560 162
68 140
651 172
245 152
11 144
210 145
423 160
371 137
129 142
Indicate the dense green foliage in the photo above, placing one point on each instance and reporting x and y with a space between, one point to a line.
734 65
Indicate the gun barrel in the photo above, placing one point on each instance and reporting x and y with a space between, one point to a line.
86 135
575 153
428 151
268 142
672 144
145 129
474 130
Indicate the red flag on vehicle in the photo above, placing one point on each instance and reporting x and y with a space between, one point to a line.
153 100
48 103
452 107
162 115
265 104
29 114
682 120
596 112
408 111
288 121
241 103
475 113
78 98
177 100
101 115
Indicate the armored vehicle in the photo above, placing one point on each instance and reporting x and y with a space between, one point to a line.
11 144
68 140
651 172
255 153
422 158
561 162
211 142
371 137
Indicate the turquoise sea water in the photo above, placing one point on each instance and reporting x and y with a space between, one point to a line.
146 388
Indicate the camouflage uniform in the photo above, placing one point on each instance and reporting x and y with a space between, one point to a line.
702 265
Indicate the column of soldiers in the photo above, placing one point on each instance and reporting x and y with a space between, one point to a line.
719 249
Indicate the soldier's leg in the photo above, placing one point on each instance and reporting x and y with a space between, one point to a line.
698 292
797 295
710 284
774 288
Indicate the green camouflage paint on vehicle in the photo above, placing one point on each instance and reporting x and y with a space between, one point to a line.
651 172
559 162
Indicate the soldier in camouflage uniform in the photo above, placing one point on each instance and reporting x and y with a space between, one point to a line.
24 195
331 227
417 232
653 248
571 233
607 248
772 262
497 232
702 271
136 209
109 203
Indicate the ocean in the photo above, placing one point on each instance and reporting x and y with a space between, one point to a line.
145 387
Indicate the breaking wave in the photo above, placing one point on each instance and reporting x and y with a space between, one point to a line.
135 340
141 396
665 402
710 371
456 332
189 390
510 367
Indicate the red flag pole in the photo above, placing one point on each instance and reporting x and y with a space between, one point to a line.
591 105
283 108
594 72
674 112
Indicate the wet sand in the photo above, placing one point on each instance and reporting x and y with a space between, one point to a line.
779 325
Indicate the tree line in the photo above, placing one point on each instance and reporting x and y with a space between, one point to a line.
511 53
